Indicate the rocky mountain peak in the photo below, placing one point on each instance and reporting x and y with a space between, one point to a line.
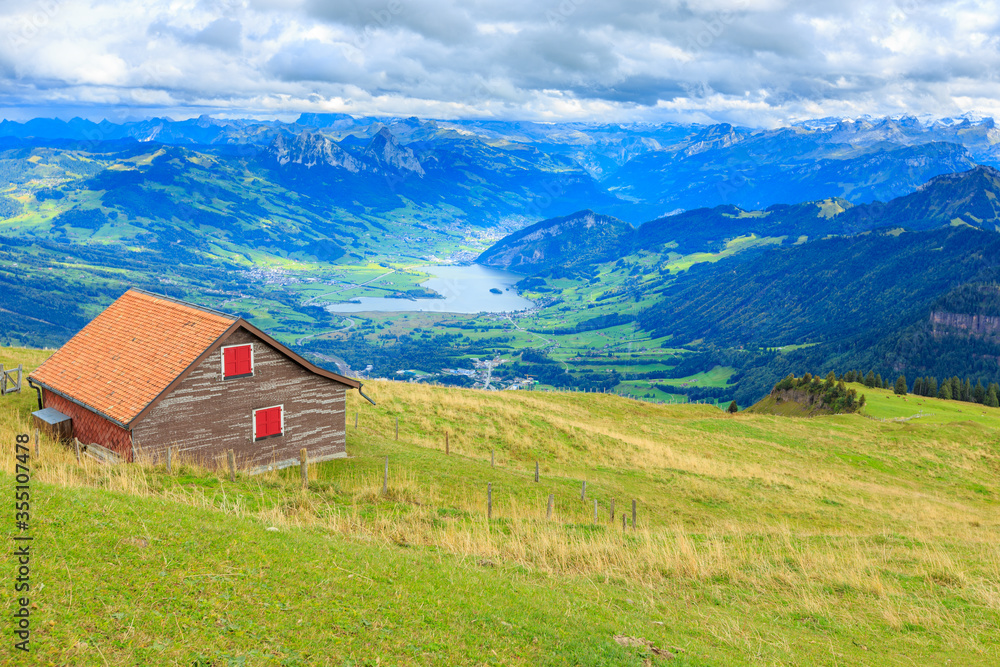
720 135
388 152
311 149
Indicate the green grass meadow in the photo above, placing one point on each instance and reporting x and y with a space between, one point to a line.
760 540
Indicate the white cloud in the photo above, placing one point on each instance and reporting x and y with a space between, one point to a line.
753 62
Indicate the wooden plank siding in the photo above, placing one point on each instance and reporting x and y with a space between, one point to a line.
205 415
90 427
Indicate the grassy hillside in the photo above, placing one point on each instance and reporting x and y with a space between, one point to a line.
760 540
885 404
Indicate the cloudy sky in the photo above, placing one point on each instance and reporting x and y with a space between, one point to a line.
753 62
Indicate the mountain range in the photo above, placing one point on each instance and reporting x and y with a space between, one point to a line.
642 171
725 241
865 286
970 198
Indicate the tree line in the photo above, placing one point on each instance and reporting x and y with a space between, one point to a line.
952 389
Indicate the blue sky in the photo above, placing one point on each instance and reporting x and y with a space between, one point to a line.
757 63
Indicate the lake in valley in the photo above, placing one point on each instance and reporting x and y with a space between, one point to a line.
466 289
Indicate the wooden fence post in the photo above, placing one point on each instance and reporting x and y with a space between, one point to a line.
623 520
304 466
231 456
38 452
355 420
633 514
76 446
489 500
536 472
552 501
446 448
612 510
583 491
170 460
385 479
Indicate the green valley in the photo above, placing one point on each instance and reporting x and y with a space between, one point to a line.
304 216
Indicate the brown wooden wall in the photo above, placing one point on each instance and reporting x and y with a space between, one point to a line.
206 415
89 427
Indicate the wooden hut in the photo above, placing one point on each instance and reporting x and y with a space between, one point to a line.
152 372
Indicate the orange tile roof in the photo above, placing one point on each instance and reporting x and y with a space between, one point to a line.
130 353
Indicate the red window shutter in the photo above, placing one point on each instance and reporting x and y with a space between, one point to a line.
261 425
274 421
268 422
238 361
243 360
230 355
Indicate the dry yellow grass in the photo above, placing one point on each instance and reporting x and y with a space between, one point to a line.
838 521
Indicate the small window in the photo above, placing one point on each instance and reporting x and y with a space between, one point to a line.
237 361
268 422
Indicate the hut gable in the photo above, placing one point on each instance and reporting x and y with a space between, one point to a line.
152 372
130 353
205 413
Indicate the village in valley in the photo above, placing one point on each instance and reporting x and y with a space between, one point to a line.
482 375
